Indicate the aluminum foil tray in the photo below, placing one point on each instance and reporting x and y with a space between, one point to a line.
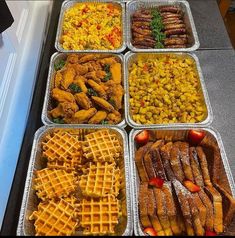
131 58
132 6
172 133
46 119
69 3
30 200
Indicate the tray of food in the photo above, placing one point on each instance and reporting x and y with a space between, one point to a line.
165 89
84 88
86 25
158 26
182 183
77 183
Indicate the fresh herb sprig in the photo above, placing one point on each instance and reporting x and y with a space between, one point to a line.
108 73
75 88
59 64
157 28
58 120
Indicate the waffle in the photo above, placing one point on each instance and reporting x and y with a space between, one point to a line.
62 146
99 216
102 146
51 183
100 179
54 218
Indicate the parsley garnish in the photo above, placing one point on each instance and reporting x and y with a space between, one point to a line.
75 88
91 92
58 120
104 122
108 73
59 65
112 102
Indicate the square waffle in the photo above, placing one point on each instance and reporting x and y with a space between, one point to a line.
61 146
99 216
51 183
54 218
102 146
100 179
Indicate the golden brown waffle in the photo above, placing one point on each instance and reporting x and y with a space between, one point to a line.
54 218
100 179
61 146
51 183
70 164
99 216
102 146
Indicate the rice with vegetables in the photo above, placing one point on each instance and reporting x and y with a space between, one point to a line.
165 89
92 26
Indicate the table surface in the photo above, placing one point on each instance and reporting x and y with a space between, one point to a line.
218 70
209 23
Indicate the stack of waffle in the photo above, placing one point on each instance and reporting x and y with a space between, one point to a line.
188 202
79 187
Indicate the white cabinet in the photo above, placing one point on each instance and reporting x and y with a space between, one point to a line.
20 49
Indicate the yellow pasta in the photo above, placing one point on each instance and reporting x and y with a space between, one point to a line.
165 89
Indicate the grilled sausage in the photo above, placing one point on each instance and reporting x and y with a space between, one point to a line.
141 31
141 19
175 41
172 9
142 47
173 26
166 15
178 31
137 35
176 46
141 15
172 21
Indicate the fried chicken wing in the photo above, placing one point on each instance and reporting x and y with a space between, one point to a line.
92 75
103 103
114 117
98 88
65 109
86 58
82 100
73 58
116 70
80 81
98 117
68 77
58 78
80 69
62 96
110 61
81 116
115 92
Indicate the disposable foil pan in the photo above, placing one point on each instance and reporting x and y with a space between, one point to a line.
131 57
135 5
46 119
173 133
30 201
69 3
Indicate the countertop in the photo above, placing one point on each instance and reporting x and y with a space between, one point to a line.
218 67
209 23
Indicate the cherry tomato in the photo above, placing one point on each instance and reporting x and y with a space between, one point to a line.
142 138
150 231
195 136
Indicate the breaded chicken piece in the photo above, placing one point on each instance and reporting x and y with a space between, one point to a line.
115 92
80 81
98 117
86 58
92 75
64 109
83 101
110 61
114 117
62 96
58 79
98 88
72 58
80 69
103 103
116 72
68 77
81 116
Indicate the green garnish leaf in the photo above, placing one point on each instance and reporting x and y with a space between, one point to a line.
58 120
91 92
107 77
104 122
112 102
107 68
75 88
59 64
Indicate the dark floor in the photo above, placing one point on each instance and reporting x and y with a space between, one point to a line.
229 21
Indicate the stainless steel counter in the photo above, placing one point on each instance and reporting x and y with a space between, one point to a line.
218 67
209 23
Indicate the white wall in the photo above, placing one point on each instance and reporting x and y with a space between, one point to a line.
20 48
